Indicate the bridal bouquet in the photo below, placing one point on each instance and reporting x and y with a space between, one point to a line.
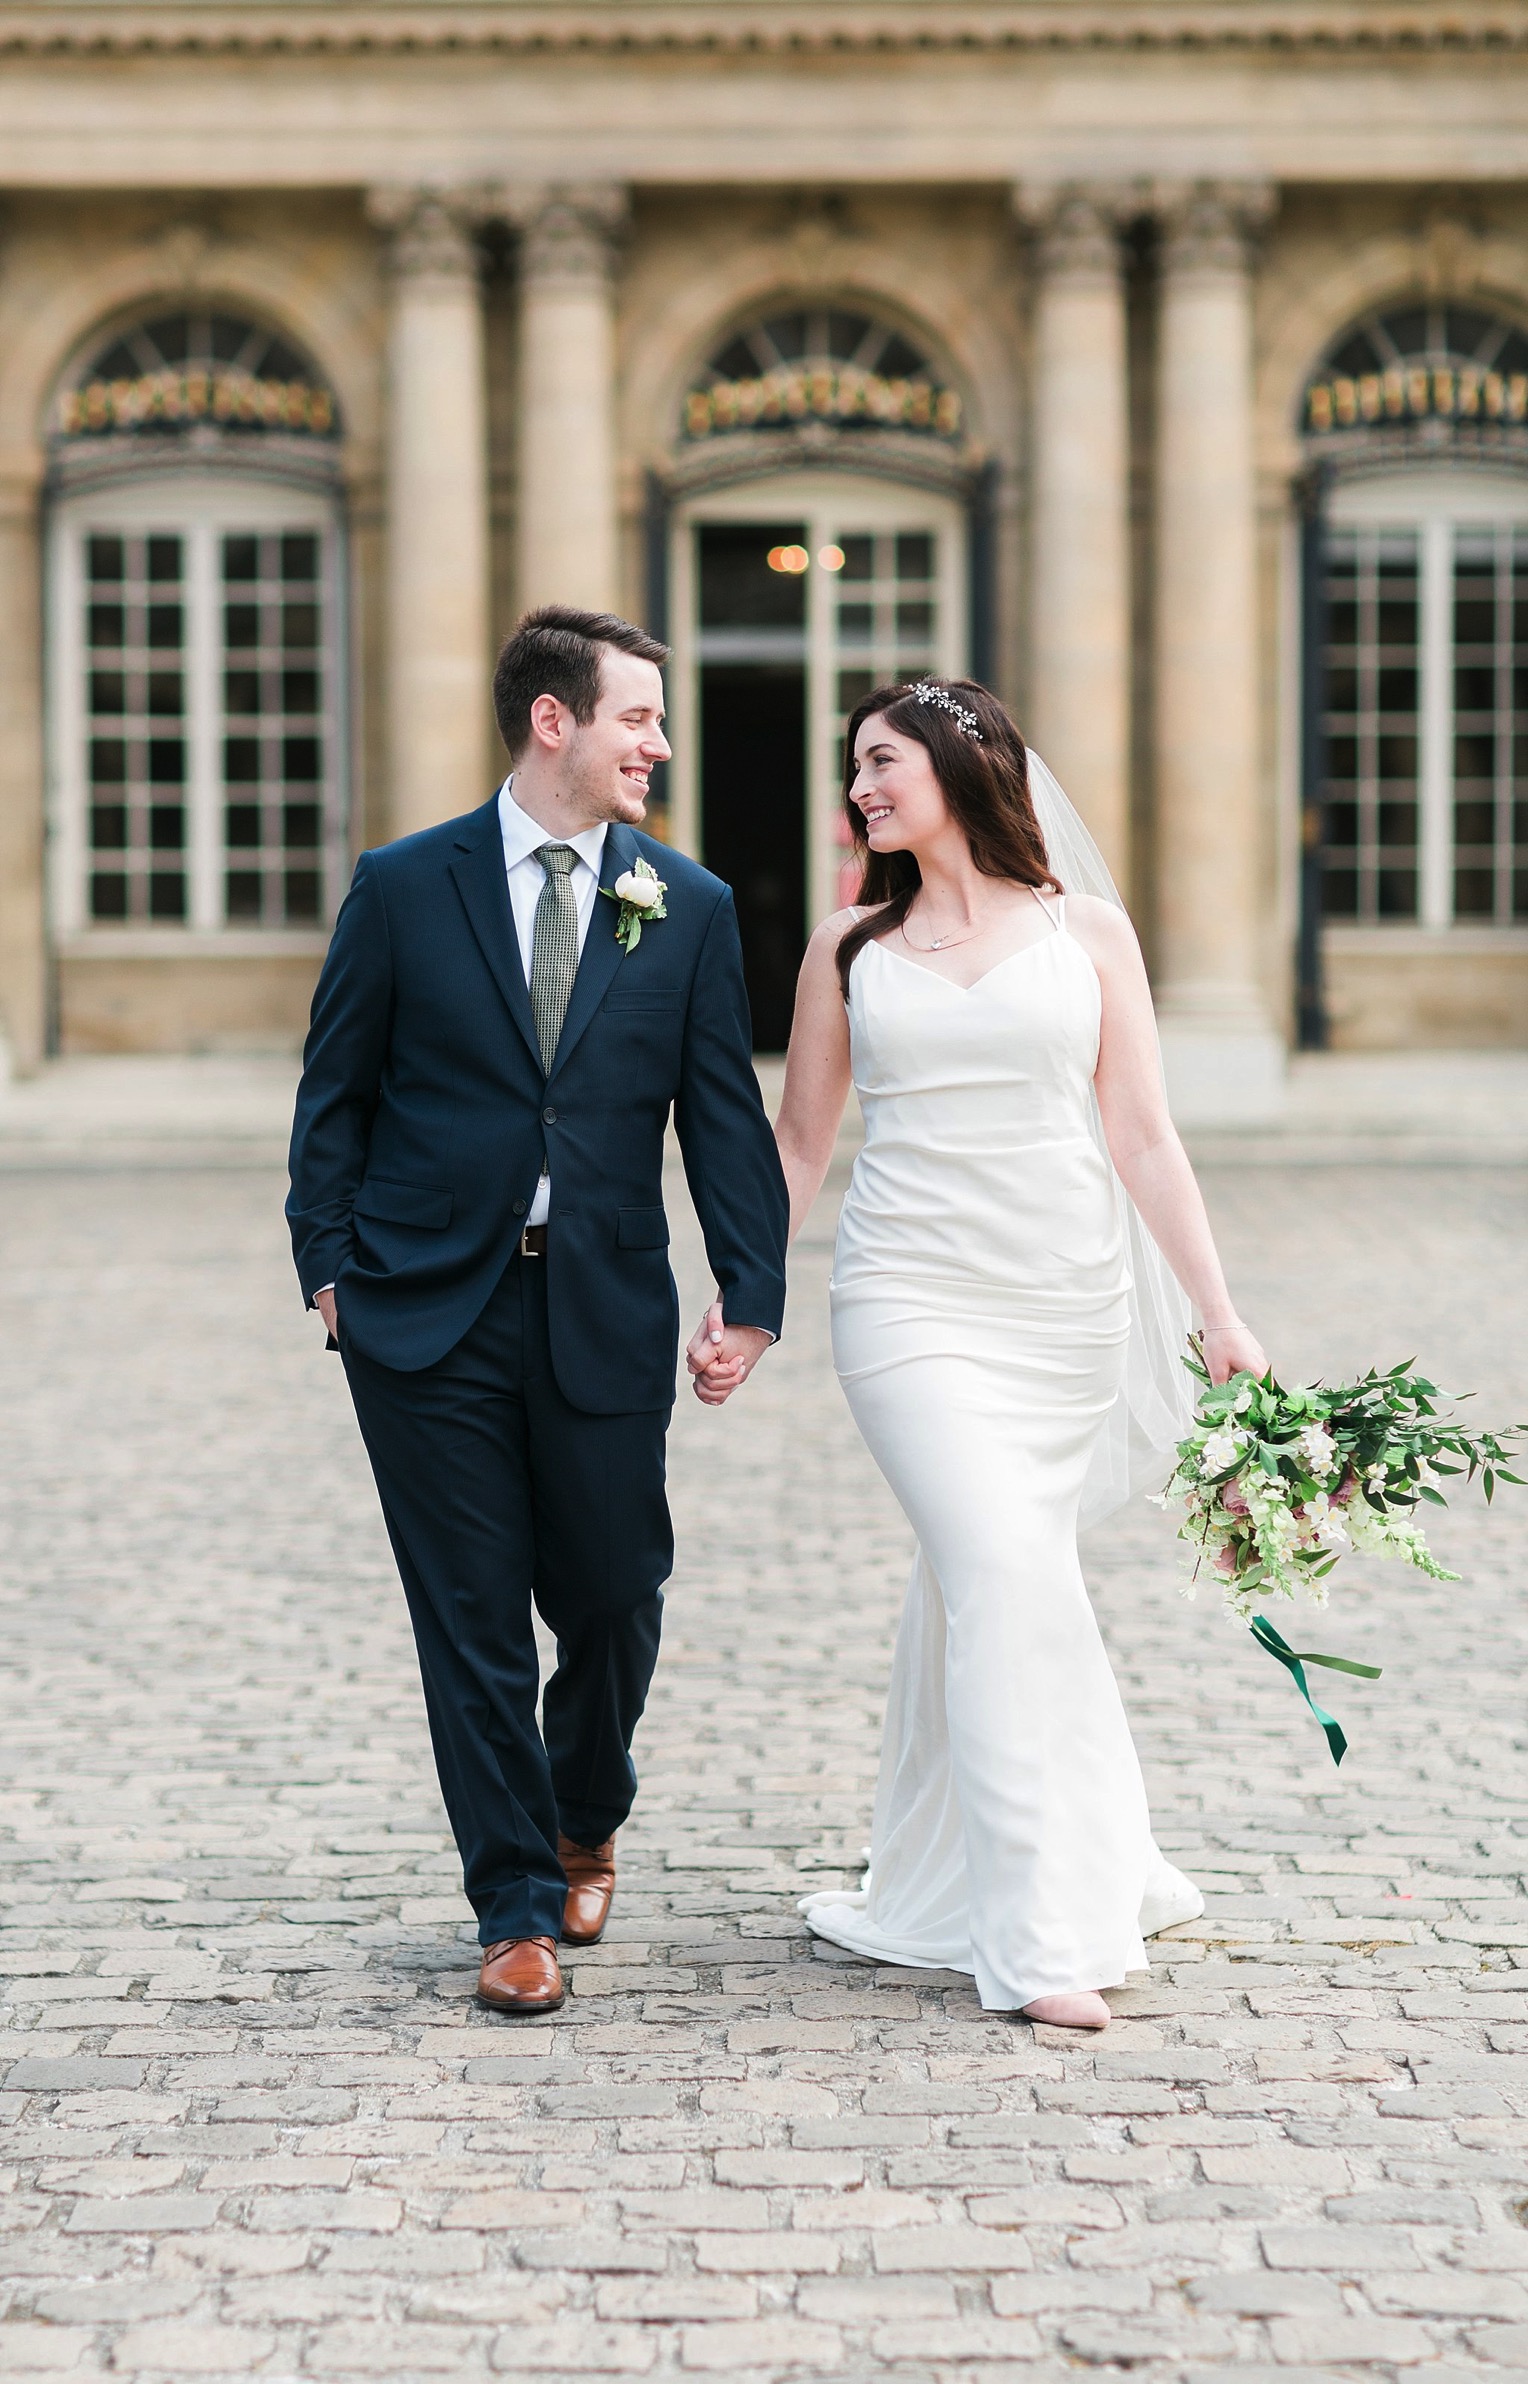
1275 1486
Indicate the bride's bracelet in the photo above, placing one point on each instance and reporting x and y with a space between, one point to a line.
1233 1325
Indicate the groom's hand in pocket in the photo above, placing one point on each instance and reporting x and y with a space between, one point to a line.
722 1355
323 1301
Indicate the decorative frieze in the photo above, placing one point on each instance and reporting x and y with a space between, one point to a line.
342 28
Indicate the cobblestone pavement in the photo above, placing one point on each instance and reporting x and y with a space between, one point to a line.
251 2123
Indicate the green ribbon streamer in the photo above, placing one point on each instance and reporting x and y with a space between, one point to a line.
1294 1663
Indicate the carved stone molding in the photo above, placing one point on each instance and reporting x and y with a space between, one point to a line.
346 28
433 228
1076 225
569 231
1208 228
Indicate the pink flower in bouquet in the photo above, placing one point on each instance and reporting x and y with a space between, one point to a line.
1234 1499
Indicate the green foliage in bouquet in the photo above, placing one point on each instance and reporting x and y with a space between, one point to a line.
1275 1486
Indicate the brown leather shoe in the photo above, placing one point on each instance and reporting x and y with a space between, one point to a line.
520 1975
591 1884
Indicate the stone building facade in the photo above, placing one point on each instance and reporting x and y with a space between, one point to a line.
1163 361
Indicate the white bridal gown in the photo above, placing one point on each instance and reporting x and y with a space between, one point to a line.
980 1302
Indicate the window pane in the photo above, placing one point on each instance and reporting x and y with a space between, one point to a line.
274 757
1489 675
303 893
135 701
1372 725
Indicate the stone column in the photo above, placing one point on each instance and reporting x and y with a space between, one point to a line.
23 893
1079 715
437 511
1224 1061
568 528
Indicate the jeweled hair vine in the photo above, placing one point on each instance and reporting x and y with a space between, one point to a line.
926 692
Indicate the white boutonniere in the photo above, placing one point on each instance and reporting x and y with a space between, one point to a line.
640 893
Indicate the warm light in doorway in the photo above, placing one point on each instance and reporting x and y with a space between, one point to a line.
788 558
831 557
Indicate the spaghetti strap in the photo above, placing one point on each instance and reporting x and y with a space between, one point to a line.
1056 916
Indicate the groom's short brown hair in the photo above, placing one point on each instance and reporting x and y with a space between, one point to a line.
556 651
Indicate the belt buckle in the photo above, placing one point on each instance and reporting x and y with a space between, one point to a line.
525 1243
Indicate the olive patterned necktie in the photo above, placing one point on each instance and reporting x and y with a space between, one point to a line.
554 948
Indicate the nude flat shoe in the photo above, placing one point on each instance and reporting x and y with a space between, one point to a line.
1067 2011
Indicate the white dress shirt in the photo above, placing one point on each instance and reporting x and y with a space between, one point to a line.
522 835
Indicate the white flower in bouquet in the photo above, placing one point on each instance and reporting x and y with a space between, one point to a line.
1221 1450
1318 1450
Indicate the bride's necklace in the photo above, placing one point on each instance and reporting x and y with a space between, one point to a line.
943 943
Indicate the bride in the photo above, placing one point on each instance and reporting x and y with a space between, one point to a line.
1007 1336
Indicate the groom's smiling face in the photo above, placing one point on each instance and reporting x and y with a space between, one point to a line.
608 761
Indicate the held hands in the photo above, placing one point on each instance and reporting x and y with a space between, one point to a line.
1231 1349
722 1355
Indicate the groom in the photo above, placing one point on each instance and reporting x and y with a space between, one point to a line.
477 1213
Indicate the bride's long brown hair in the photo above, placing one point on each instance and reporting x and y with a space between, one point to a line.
986 786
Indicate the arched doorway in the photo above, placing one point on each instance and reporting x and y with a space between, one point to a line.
1416 646
819 546
196 642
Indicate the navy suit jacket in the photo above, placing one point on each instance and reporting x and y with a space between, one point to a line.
424 1112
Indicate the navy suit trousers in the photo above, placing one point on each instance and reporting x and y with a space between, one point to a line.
499 1497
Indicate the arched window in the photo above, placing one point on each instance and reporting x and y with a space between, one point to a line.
1420 380
828 365
182 373
1417 419
195 647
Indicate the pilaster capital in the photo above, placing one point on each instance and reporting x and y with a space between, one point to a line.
1208 228
569 231
1076 225
432 227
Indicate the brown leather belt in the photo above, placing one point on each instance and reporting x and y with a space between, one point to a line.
533 1242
